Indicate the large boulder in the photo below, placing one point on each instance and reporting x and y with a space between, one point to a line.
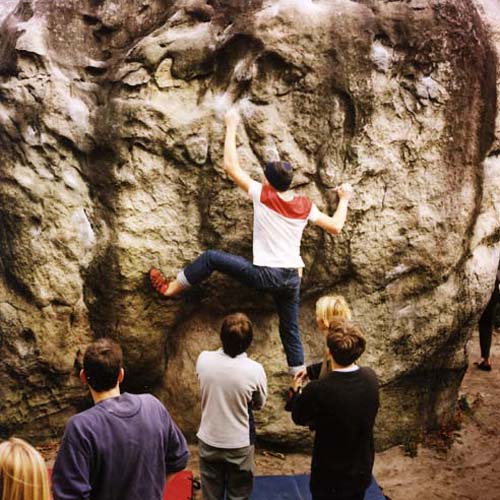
111 138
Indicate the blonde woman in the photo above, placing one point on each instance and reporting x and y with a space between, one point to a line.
328 308
23 474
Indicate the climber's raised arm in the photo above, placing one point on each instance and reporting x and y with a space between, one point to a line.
231 161
335 223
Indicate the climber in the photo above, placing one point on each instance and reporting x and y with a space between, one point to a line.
280 217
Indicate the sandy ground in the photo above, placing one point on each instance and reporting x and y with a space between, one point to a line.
470 468
463 464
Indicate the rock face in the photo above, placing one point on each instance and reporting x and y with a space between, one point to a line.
111 143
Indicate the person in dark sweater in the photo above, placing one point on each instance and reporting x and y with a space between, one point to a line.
341 408
122 448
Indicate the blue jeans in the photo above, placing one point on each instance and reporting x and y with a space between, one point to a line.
282 283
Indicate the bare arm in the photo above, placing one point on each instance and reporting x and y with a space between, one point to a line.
335 223
231 161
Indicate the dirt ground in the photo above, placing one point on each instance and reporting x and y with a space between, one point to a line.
470 468
464 467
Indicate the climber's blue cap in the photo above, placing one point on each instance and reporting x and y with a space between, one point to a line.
279 174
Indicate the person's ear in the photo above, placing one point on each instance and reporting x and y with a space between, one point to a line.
83 378
121 375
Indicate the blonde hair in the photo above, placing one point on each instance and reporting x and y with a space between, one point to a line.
23 474
329 307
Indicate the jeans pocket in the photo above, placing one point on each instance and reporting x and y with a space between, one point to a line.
270 278
293 280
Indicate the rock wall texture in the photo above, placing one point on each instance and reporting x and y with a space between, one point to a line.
111 144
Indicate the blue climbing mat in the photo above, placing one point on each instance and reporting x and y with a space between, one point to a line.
297 488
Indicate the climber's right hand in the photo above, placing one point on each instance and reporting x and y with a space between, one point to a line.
345 191
232 117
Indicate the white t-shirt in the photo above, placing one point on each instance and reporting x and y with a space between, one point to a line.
228 385
278 226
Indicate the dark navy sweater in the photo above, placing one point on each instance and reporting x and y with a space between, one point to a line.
121 448
341 408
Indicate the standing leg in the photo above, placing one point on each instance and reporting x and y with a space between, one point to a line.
486 329
212 471
240 467
287 305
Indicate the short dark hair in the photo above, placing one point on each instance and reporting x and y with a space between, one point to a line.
236 334
101 363
279 174
345 341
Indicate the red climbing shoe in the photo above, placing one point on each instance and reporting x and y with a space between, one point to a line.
158 280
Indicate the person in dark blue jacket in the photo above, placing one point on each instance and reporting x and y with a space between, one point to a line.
124 447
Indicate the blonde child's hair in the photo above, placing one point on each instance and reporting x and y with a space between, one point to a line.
329 307
23 474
